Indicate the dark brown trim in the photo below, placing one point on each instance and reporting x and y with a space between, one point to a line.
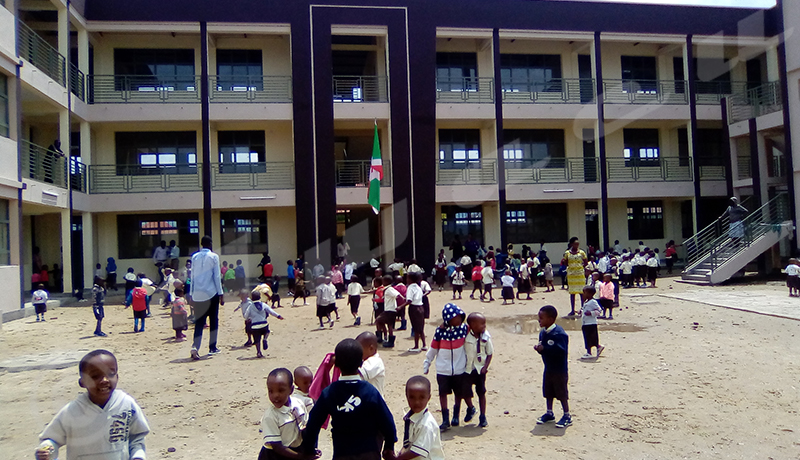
726 146
498 114
755 166
205 121
787 123
692 87
601 141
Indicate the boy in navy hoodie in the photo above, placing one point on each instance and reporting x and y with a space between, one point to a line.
553 346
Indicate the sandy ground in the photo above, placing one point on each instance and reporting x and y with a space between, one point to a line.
678 379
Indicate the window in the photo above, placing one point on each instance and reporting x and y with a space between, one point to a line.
528 223
645 220
456 72
526 148
5 238
459 148
4 126
641 147
462 222
241 151
243 232
239 70
155 69
639 74
138 234
173 152
709 146
687 219
713 75
530 72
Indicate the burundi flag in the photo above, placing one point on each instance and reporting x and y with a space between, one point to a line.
375 175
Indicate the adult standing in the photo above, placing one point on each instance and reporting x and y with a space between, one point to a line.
174 255
457 248
736 213
206 296
575 259
471 247
160 258
342 249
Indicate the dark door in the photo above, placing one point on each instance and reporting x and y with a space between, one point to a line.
585 74
754 75
592 224
589 159
77 253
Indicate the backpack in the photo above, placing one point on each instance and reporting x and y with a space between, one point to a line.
476 273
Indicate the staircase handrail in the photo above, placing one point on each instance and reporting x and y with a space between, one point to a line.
698 245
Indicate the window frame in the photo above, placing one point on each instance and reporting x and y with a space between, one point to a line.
165 69
639 74
5 232
469 218
456 72
641 140
518 72
548 222
249 144
466 157
133 146
138 234
645 220
520 144
242 224
5 121
230 65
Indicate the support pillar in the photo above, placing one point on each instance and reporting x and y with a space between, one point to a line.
66 249
89 259
83 50
86 143
690 71
597 69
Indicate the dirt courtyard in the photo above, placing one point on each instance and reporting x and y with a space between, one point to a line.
678 379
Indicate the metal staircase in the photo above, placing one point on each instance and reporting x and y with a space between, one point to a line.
713 256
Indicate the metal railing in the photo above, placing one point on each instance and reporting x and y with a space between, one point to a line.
712 171
143 88
260 88
77 82
37 51
271 175
711 92
483 171
142 179
663 169
551 171
78 176
466 89
743 165
355 173
360 89
777 166
43 165
554 91
645 92
755 102
700 243
738 236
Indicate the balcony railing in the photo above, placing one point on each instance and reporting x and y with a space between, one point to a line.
143 88
743 165
78 176
645 92
555 91
355 173
649 170
77 82
259 88
36 50
44 165
467 89
551 171
274 175
475 172
755 102
712 168
360 89
711 92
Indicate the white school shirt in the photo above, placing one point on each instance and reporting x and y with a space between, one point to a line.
414 268
536 262
652 262
305 399
373 263
414 294
488 275
257 316
458 278
325 296
113 432
471 349
593 307
355 289
627 267
424 437
507 280
244 306
390 295
284 424
373 371
426 288
40 296
465 260
348 271
793 270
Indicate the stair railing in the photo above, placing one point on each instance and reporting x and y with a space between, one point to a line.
699 244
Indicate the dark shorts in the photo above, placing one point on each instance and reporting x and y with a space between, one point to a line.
141 314
325 310
508 293
455 384
269 454
378 308
416 313
40 308
458 288
555 385
387 317
590 336
258 333
291 283
606 303
793 281
477 379
354 301
426 305
477 285
99 312
524 285
652 272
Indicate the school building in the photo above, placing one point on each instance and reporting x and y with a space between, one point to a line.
124 123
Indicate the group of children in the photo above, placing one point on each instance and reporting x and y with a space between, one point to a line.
485 275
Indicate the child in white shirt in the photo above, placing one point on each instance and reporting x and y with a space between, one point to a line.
257 315
302 383
354 291
589 313
458 282
39 301
284 420
422 438
793 277
488 281
102 423
244 296
508 287
372 369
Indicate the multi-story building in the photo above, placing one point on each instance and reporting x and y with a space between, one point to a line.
253 122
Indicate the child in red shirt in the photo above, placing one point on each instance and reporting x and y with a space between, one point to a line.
138 299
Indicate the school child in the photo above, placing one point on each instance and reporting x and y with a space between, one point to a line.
290 276
299 289
180 315
130 281
415 297
98 271
98 300
337 279
257 315
377 293
39 300
451 268
302 384
421 439
111 274
525 283
507 282
562 272
488 282
589 313
224 269
652 268
639 269
138 300
284 420
102 423
476 279
354 291
554 347
244 304
479 349
451 362
332 289
372 370
548 277
359 415
276 295
793 277
239 275
229 279
385 321
400 287
606 290
457 281
325 298
626 269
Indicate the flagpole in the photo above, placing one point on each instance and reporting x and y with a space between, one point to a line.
380 227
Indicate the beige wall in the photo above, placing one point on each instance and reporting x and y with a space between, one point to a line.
569 58
9 279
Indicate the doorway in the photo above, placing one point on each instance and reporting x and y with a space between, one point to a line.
592 224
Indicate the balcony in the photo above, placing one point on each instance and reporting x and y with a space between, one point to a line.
664 169
551 171
43 165
251 89
755 102
355 173
467 89
360 89
273 175
36 50
645 92
109 89
555 91
712 92
475 172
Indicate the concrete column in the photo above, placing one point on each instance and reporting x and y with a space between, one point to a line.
63 31
216 231
83 50
66 250
86 143
89 259
64 130
763 167
491 226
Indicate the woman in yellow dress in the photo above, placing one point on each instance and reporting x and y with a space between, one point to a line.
575 259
